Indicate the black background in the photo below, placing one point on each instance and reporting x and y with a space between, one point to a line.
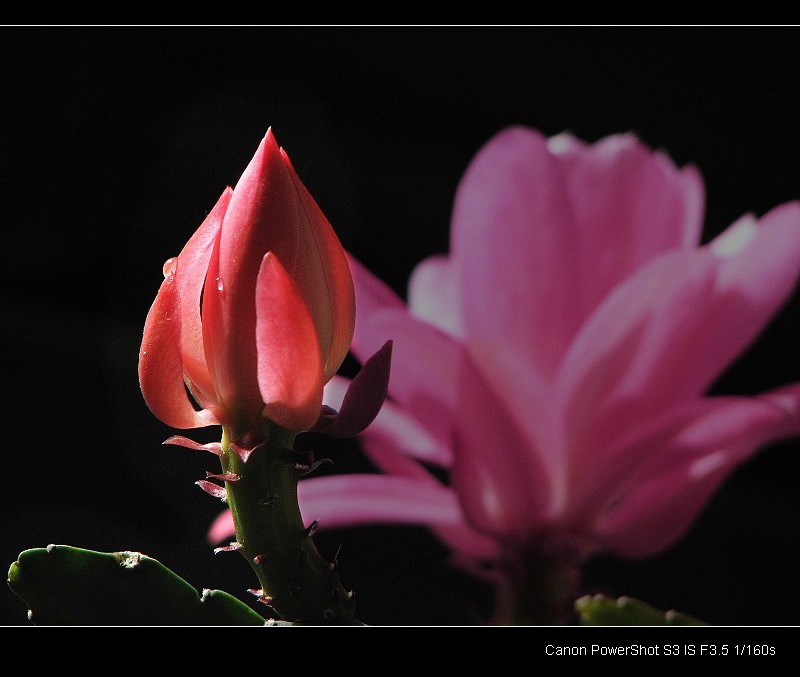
115 142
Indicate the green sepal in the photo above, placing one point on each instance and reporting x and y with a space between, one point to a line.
602 610
62 585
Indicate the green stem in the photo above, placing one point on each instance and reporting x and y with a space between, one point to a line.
302 585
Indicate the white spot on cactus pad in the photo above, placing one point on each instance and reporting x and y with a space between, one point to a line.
130 560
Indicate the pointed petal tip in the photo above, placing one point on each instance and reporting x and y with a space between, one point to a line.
244 452
213 489
180 441
364 397
223 477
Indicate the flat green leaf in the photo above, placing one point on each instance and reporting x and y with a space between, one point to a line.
62 585
602 610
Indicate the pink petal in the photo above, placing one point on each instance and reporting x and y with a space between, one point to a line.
223 477
659 502
498 473
392 461
290 374
270 212
630 205
180 441
222 527
788 398
353 500
594 481
424 368
623 365
372 297
394 429
193 263
668 331
760 267
322 274
513 242
261 203
213 489
434 296
160 365
364 397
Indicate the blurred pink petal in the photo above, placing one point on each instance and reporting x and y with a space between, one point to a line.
393 429
658 501
424 365
434 296
556 362
630 205
372 297
513 238
498 470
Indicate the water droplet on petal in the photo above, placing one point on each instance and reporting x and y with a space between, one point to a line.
169 266
220 284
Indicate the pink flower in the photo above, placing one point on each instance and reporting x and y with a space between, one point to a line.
256 313
556 363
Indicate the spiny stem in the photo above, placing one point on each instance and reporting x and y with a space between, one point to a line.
302 585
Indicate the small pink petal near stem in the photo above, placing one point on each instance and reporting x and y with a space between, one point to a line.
243 452
364 397
224 477
180 441
213 489
424 368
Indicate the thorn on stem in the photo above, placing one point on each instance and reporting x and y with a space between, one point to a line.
231 547
180 441
335 562
304 469
225 476
213 489
311 529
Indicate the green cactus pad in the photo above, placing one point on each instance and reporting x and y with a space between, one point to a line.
602 610
62 585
